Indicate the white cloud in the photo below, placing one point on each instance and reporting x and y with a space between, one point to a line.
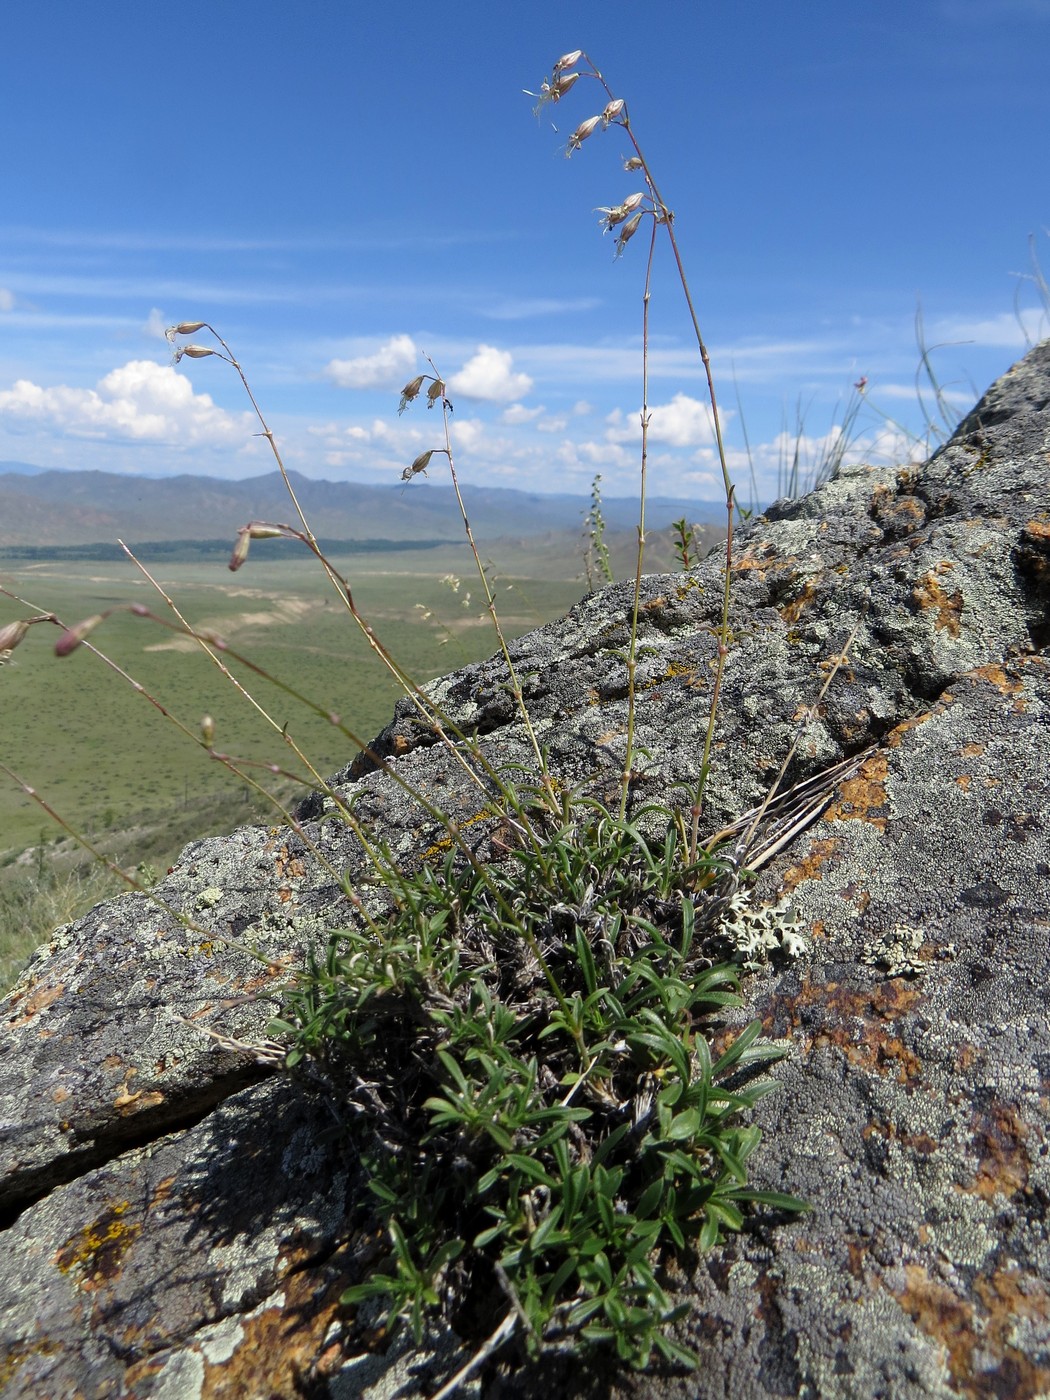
386 368
139 402
684 422
581 408
7 300
518 413
155 324
488 375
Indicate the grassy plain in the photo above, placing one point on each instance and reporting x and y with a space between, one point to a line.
112 766
104 757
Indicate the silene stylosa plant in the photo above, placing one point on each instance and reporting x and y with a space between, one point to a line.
515 1026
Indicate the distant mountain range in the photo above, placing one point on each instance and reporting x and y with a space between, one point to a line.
53 508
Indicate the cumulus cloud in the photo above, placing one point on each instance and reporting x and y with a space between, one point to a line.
139 402
386 368
684 422
488 375
7 300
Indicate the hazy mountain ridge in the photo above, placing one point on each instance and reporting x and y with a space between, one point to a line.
49 507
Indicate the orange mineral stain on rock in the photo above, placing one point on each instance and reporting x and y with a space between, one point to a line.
996 675
856 1021
976 1332
999 1139
858 797
820 852
37 1000
928 594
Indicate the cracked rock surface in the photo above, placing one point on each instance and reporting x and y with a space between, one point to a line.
175 1220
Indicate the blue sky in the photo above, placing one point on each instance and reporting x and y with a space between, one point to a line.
340 188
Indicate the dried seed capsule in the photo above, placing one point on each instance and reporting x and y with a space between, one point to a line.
419 465
240 549
12 635
568 59
185 328
612 110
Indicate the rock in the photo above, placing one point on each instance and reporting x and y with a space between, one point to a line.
176 1223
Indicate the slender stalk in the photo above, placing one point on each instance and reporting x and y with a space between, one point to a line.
632 650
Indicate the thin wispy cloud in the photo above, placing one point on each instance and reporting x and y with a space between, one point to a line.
533 307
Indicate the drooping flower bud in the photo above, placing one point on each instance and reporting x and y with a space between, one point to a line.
612 110
419 465
568 59
265 532
73 636
628 231
581 133
186 328
207 730
409 392
634 163
435 392
195 352
563 82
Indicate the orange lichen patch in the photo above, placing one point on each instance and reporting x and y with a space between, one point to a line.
60 1094
790 612
858 895
928 594
20 1352
964 780
971 750
859 796
920 1143
966 1057
854 1022
999 1138
99 1248
809 867
996 675
127 1103
761 558
282 1349
904 514
161 1191
37 1001
984 1323
290 867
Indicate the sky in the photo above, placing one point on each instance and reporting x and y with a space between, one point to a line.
343 189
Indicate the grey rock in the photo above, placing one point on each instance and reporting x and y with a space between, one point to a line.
176 1224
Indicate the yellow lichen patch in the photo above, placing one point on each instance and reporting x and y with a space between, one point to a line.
99 1248
928 594
860 796
447 842
809 867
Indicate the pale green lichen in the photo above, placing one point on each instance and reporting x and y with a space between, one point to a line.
758 931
